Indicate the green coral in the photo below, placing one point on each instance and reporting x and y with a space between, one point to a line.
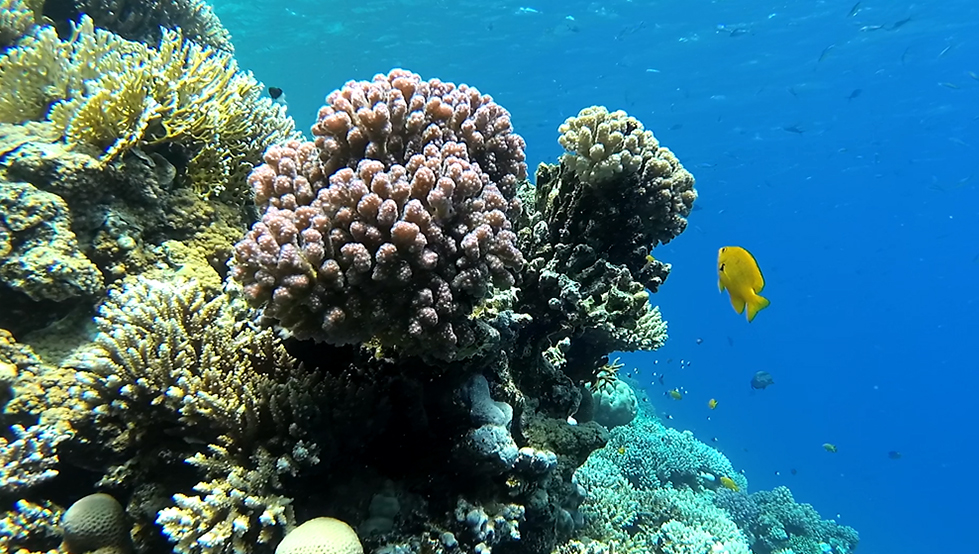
105 95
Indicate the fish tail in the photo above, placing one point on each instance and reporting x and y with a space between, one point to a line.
756 304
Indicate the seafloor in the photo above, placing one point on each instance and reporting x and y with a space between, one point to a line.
213 329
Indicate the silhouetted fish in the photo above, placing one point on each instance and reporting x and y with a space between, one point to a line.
762 379
275 92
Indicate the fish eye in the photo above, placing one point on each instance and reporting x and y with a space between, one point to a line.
722 267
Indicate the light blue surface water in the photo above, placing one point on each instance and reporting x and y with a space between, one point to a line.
862 209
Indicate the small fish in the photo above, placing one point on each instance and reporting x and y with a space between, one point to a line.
676 126
866 28
729 484
738 273
899 24
650 259
761 379
700 341
275 92
829 447
621 450
675 394
662 379
714 439
794 471
894 455
825 52
794 129
973 74
712 403
854 10
944 50
856 92
952 86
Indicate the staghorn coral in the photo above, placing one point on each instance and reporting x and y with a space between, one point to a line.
31 458
29 525
167 355
386 227
239 507
39 255
144 20
104 96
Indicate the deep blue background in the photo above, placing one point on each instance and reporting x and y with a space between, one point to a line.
865 225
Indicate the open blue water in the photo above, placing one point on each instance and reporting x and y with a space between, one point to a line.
862 209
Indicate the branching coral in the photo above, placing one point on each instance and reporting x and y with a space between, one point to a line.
394 224
237 507
170 357
106 95
16 19
623 196
774 521
142 20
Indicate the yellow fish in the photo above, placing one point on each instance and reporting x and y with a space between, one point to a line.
712 403
829 447
621 450
675 394
738 273
730 484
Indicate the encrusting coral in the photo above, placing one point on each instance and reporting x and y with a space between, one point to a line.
39 255
394 223
104 95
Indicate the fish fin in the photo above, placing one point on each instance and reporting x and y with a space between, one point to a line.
720 285
757 304
738 303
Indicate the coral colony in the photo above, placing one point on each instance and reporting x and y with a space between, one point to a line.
219 337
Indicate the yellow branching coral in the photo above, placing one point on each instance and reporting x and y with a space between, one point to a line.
106 95
16 18
602 144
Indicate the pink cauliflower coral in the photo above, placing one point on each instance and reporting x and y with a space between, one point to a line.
387 226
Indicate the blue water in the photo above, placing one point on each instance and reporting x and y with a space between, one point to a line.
865 223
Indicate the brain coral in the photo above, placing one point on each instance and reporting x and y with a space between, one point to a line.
394 223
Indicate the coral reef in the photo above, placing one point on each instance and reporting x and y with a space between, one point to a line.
103 95
412 338
39 255
773 522
394 223
147 20
16 19
643 515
